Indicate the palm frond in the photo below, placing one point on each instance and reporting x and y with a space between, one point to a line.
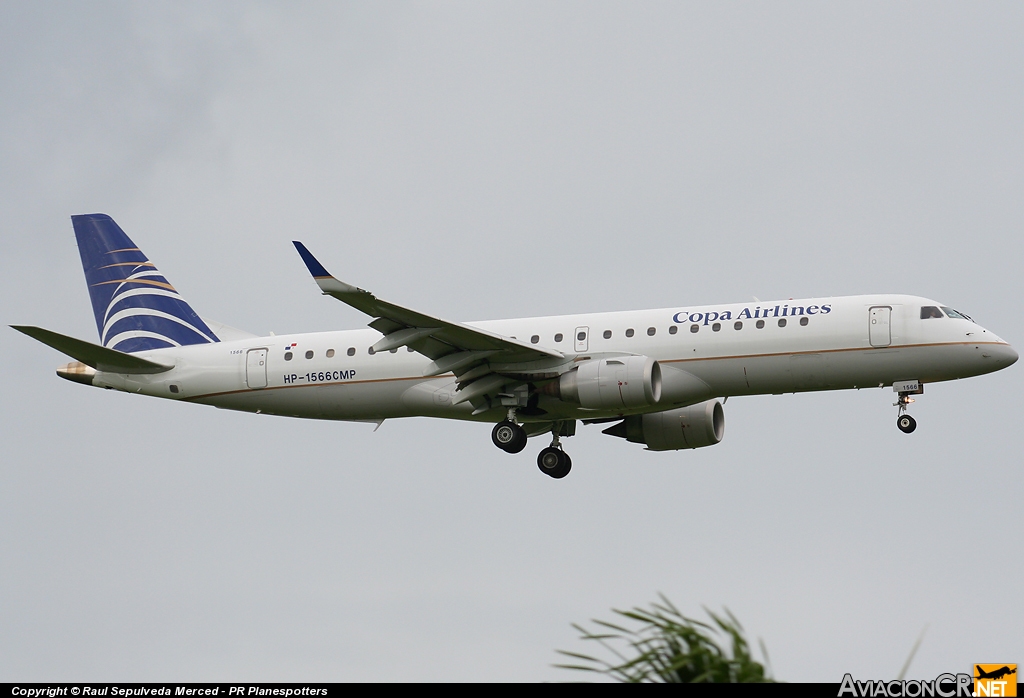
668 647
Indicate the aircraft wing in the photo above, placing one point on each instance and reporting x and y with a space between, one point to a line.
453 346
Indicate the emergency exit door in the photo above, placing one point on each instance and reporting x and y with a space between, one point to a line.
582 338
878 328
256 368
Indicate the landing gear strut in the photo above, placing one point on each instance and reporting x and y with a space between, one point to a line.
904 422
510 437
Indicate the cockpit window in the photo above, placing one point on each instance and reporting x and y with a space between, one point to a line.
956 315
930 311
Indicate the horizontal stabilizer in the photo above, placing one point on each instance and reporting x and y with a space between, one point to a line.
100 358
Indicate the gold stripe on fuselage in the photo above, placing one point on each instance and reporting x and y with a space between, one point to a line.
662 361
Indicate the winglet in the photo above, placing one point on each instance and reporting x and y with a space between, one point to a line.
315 267
327 283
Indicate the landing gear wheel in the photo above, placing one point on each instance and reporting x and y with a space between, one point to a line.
509 436
520 442
906 423
554 462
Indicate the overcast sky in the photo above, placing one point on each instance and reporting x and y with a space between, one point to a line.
484 160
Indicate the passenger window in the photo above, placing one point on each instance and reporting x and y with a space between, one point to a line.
629 332
558 337
409 349
330 353
673 329
760 324
716 327
351 351
607 334
309 354
803 322
395 350
651 331
370 351
695 328
782 322
287 356
737 325
930 311
534 339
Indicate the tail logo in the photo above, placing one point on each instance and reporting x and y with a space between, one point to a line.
136 308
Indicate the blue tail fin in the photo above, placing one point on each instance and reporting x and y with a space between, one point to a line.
136 308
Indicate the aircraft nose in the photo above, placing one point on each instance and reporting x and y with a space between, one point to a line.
1004 354
1011 355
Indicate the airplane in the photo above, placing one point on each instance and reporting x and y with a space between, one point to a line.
661 376
996 674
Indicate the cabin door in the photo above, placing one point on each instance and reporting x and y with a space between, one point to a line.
256 368
878 329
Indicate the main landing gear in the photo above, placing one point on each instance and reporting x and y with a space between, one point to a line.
511 438
553 461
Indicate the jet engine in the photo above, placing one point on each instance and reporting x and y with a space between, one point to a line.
611 383
695 426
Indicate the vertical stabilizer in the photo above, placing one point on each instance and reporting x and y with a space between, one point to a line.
136 308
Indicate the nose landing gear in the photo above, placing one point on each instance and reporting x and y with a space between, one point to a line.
904 422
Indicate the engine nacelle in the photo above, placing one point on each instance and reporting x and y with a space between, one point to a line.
612 383
695 426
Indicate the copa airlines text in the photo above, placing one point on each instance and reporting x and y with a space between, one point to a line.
657 377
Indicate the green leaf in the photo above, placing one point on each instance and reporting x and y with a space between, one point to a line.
666 646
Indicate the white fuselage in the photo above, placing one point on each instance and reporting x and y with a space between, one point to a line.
847 342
